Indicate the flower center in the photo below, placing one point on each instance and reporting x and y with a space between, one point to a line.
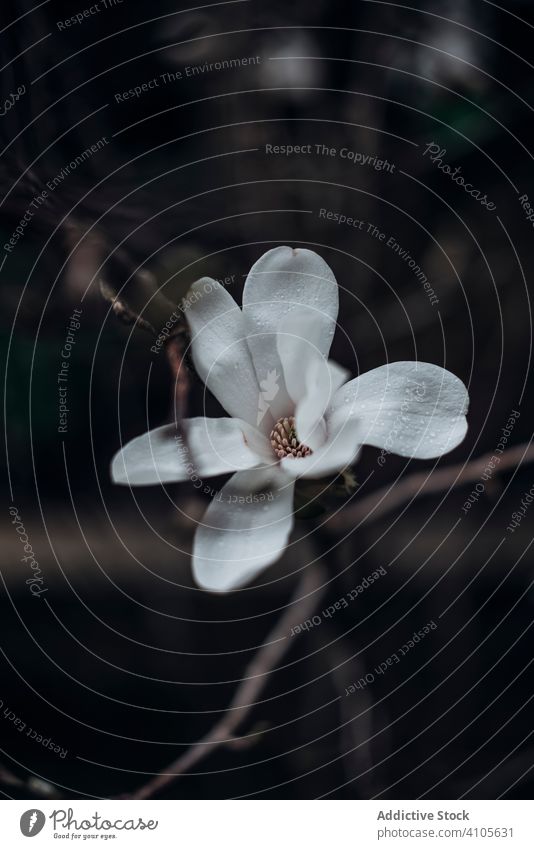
285 441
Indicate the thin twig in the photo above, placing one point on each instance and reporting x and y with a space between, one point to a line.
306 596
174 349
389 497
309 591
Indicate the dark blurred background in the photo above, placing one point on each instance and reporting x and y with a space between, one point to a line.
124 663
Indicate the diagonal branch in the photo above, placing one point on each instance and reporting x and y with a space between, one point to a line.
255 677
389 497
308 593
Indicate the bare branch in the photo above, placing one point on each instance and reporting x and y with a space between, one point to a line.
389 497
174 348
309 592
256 675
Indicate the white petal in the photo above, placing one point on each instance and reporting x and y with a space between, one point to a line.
339 451
299 348
245 529
322 379
212 447
219 347
283 281
407 408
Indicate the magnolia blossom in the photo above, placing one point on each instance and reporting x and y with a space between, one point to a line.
292 412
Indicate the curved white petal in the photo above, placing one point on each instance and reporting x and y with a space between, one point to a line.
285 281
210 447
407 408
244 530
322 379
339 451
298 341
219 348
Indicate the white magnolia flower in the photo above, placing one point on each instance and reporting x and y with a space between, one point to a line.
291 411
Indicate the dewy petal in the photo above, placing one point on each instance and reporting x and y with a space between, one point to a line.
219 347
322 379
211 447
283 281
407 408
298 341
339 451
245 529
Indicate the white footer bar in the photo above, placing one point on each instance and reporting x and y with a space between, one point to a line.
268 824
